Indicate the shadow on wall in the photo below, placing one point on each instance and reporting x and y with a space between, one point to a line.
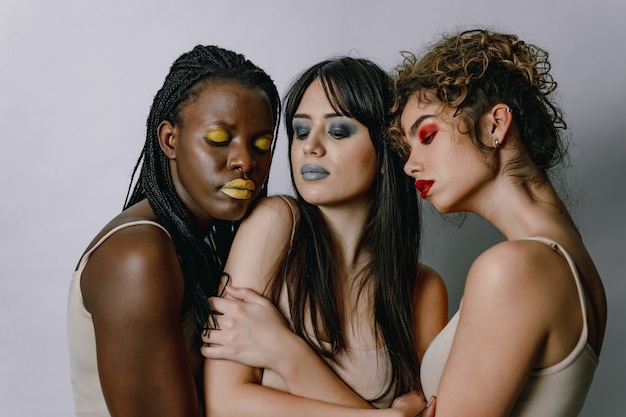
450 243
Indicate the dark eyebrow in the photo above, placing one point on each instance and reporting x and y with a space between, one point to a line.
418 122
326 116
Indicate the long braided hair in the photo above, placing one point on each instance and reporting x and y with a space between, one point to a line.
201 256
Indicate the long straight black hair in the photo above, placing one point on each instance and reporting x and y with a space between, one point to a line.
201 255
360 89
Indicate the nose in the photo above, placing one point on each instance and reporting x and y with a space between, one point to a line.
313 144
240 158
412 166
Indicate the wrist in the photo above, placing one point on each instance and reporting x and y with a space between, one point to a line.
294 351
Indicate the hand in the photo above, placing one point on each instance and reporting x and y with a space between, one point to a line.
410 404
248 330
429 411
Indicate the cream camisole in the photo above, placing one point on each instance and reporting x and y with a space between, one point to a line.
88 397
367 372
556 391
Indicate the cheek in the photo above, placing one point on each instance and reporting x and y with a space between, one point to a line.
296 151
263 165
367 157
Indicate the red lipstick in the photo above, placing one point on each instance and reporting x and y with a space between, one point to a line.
423 186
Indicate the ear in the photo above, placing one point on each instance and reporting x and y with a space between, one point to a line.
497 122
166 133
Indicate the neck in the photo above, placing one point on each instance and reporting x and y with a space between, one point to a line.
346 223
523 211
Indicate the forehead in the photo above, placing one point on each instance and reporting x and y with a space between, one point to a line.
416 108
227 100
314 99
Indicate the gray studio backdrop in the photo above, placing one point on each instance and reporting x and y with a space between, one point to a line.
76 81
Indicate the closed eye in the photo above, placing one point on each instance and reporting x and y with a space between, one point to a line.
218 137
427 133
263 144
301 130
428 139
341 129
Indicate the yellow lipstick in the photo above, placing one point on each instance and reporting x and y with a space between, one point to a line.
240 189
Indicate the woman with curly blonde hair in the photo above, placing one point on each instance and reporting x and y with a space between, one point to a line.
482 133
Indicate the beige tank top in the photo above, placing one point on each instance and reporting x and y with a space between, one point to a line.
88 397
367 372
557 391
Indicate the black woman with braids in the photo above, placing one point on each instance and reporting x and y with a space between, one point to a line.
138 300
483 134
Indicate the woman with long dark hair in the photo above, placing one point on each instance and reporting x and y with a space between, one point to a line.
341 263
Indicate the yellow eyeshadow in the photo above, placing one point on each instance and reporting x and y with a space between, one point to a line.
263 144
217 136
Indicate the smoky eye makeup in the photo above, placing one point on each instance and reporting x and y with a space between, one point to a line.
427 133
301 129
341 129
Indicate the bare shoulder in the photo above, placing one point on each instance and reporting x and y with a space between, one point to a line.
518 274
137 264
133 287
282 208
271 221
261 242
429 283
515 262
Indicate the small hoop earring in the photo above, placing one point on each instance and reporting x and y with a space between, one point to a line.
496 143
508 110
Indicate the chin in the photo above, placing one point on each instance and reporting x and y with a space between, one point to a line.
235 210
442 208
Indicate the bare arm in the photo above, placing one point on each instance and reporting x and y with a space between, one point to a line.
502 329
430 315
233 389
253 332
430 308
133 287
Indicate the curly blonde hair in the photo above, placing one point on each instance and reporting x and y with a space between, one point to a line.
472 71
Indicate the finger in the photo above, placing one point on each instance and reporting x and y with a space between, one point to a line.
217 304
247 295
213 352
206 336
430 407
223 305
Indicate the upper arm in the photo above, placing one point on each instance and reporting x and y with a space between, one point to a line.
133 287
430 308
259 244
500 331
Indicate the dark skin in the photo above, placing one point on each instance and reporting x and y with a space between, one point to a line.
133 284
136 302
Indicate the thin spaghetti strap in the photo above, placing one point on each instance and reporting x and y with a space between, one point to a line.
293 217
85 257
581 292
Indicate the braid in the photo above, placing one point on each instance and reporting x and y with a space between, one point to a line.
201 256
